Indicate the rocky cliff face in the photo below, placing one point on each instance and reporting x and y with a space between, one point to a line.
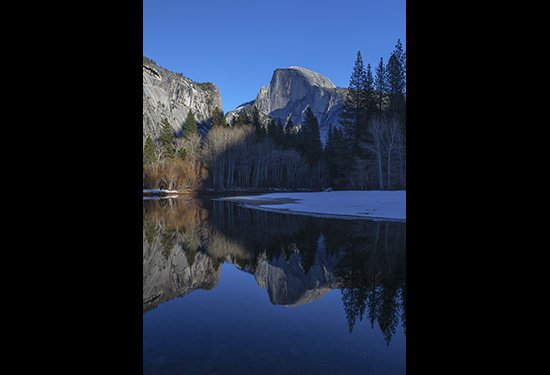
289 93
288 284
171 269
171 95
169 272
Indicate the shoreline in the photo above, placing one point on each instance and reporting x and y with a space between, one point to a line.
345 204
322 215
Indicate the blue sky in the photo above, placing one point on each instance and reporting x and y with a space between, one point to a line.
237 44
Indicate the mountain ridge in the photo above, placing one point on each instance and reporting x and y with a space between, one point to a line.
288 94
290 91
171 95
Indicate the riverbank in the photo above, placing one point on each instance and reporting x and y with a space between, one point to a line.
389 205
211 192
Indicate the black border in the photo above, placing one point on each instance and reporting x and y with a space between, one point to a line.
84 219
83 129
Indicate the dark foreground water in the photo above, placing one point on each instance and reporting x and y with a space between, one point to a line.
230 290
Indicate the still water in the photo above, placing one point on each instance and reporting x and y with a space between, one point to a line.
231 290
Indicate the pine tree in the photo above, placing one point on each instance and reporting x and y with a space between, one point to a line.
256 123
149 151
218 119
289 135
354 115
402 57
190 125
338 158
370 93
274 131
279 134
380 84
310 139
166 138
329 155
181 153
242 119
395 78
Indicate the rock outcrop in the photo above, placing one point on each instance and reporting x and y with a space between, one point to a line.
171 95
291 91
288 284
171 270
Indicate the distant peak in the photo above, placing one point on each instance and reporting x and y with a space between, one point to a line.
300 68
314 78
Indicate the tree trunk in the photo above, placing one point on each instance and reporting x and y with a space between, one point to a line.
388 185
380 173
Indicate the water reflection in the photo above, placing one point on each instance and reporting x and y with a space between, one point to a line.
297 259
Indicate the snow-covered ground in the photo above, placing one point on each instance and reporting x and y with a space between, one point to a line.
367 204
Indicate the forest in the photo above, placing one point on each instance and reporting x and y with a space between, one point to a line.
367 151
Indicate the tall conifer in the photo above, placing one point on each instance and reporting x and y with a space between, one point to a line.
166 138
190 125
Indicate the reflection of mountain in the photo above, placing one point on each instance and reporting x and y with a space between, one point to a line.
168 273
172 266
288 284
297 259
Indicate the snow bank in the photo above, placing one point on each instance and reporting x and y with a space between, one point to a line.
367 204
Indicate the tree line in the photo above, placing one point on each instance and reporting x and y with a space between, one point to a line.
246 155
367 150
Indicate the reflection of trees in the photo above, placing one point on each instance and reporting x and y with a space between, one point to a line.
260 232
371 274
174 262
176 223
296 258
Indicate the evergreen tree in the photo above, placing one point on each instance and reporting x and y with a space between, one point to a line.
310 139
181 153
260 131
166 138
380 84
338 158
275 131
279 134
395 78
242 119
271 125
329 155
149 151
402 57
218 119
190 125
289 135
370 93
354 115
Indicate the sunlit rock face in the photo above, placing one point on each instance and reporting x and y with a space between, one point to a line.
174 263
291 91
288 283
171 95
171 270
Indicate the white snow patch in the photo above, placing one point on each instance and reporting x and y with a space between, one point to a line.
367 204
